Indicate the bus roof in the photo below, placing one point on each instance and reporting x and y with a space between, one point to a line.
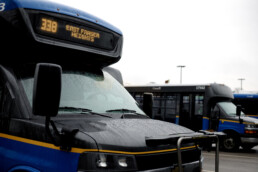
213 91
168 88
167 85
246 96
52 6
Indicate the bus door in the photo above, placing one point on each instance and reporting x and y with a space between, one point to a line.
191 111
197 116
185 110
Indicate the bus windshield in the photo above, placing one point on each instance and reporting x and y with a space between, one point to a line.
89 91
229 108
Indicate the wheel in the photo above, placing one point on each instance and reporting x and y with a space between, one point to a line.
231 143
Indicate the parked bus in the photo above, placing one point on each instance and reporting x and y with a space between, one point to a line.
60 111
249 103
201 107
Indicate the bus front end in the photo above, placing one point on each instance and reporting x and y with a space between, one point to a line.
60 111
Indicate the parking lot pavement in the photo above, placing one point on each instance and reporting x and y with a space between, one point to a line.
241 161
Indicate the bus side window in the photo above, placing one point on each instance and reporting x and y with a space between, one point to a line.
139 99
199 104
2 115
1 95
8 106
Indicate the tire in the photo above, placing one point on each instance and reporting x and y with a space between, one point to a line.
230 143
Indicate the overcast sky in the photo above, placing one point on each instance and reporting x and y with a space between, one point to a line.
217 40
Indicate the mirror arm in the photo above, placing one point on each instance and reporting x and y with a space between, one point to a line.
47 122
238 112
64 138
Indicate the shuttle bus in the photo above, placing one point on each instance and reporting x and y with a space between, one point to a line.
249 103
201 107
60 111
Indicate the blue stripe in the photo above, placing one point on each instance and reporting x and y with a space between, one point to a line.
14 153
227 125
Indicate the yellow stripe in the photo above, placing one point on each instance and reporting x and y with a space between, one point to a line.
80 150
147 152
252 115
43 144
33 142
248 123
225 120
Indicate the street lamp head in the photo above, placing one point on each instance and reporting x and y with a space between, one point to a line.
241 80
181 66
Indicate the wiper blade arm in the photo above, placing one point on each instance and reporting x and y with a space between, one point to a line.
82 110
94 113
126 111
68 108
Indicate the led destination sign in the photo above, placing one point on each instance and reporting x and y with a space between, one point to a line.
68 31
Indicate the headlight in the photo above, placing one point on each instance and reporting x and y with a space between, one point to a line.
106 162
250 126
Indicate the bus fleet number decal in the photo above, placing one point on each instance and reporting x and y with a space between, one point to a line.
2 6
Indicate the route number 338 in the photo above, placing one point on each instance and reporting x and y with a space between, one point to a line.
2 6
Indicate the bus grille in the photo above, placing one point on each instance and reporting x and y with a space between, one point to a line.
169 159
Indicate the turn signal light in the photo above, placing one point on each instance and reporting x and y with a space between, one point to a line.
250 132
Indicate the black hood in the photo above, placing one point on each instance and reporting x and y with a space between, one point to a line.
123 134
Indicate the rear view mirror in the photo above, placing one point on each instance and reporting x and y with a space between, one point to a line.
238 110
148 103
47 89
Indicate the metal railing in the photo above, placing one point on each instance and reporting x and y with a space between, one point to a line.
198 138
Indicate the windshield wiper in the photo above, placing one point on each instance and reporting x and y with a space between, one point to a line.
68 108
122 110
94 113
82 111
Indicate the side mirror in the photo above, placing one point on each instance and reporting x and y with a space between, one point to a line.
148 103
238 110
47 89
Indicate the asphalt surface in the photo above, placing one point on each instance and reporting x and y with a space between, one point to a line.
240 161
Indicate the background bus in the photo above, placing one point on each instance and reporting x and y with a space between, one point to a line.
201 107
187 105
249 103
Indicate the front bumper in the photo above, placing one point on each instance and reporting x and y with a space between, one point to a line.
250 136
249 140
195 166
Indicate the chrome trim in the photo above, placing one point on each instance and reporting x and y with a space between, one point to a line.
251 129
249 140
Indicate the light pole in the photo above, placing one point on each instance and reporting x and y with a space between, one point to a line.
241 81
181 66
